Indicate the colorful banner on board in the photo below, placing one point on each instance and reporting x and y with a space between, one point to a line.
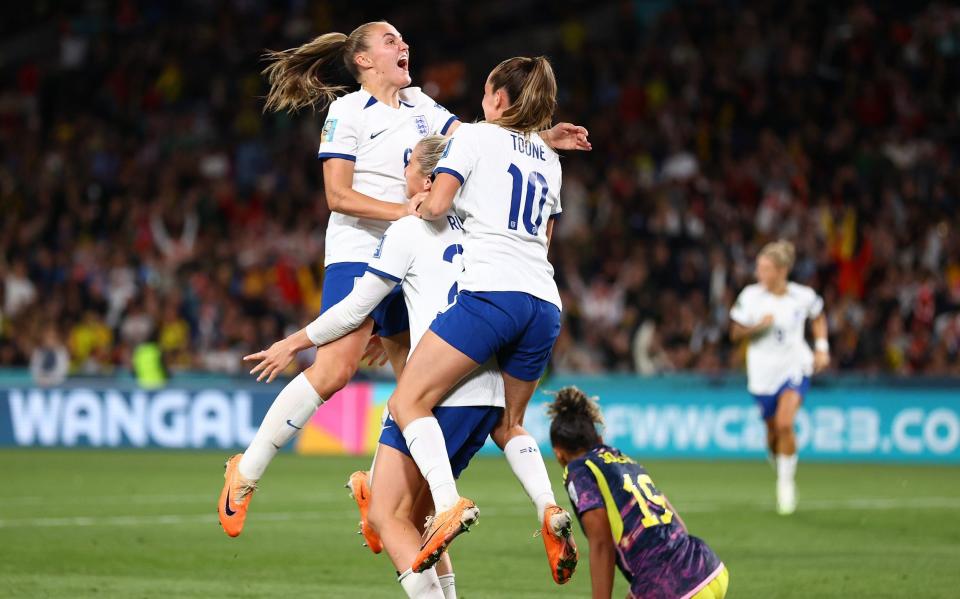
682 417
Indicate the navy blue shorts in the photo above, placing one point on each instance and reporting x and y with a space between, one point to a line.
390 315
516 327
465 430
768 403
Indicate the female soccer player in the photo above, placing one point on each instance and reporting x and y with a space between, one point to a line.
627 521
423 256
771 314
366 140
508 305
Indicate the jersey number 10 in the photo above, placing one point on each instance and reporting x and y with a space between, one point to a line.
535 182
643 491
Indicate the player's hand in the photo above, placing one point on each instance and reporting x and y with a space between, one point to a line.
765 323
567 136
272 361
413 205
821 360
375 353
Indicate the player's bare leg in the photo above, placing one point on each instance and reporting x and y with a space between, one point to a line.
527 464
786 451
432 370
391 511
333 367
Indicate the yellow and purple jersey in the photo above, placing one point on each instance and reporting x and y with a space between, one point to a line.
654 551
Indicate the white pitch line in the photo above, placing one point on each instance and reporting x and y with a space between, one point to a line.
872 504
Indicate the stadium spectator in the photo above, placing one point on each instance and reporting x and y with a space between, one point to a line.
142 187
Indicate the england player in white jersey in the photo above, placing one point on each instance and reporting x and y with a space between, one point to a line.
772 314
366 139
507 306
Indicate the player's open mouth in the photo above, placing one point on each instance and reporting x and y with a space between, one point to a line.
403 62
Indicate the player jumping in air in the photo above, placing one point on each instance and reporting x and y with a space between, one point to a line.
508 305
626 519
366 141
772 314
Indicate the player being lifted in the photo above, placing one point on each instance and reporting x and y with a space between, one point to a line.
366 141
626 519
772 314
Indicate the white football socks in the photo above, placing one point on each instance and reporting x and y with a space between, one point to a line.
448 586
428 449
526 461
424 585
292 408
786 467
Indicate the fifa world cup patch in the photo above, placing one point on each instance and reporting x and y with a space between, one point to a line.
328 128
421 122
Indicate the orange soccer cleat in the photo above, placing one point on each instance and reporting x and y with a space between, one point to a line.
360 491
557 533
234 498
442 529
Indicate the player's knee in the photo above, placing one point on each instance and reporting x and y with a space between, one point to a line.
783 428
327 379
505 431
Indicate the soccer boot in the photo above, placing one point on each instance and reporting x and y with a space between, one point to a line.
234 498
360 491
557 533
442 529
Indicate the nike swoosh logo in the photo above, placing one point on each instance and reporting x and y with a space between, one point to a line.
226 504
372 135
294 425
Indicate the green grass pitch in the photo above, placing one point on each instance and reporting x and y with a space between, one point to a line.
142 524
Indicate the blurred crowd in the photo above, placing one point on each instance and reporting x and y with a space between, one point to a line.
147 200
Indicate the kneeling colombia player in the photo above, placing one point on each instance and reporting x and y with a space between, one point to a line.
625 518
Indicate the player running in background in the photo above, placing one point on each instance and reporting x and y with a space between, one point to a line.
424 257
772 314
626 519
507 306
367 138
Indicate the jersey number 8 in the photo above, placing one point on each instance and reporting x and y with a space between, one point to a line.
535 182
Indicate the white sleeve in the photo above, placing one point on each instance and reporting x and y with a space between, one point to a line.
340 137
350 312
815 306
557 208
461 154
741 310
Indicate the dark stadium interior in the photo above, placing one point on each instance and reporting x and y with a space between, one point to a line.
144 193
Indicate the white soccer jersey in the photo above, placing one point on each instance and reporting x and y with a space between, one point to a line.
510 189
379 139
781 354
426 258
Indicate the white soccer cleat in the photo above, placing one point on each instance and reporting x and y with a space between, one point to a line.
786 497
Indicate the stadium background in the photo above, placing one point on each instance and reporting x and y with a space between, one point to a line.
149 209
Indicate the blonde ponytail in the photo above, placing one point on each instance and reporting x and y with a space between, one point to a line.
314 74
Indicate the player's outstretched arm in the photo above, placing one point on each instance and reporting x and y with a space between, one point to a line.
567 136
333 324
602 552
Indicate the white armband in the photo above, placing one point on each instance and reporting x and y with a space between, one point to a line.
822 345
